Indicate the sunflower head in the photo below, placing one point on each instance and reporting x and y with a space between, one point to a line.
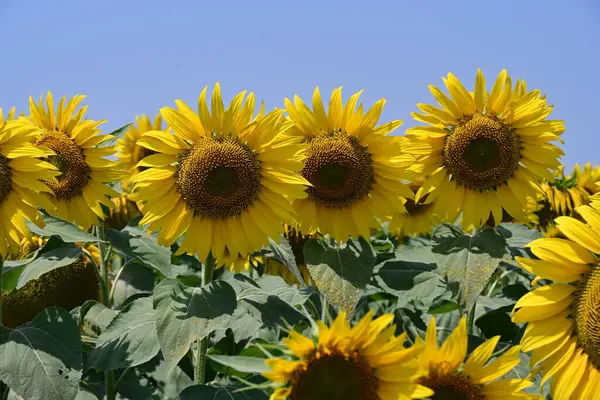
561 197
562 317
246 264
78 154
125 209
418 219
587 177
21 168
130 152
366 361
354 167
28 246
451 375
225 176
485 152
297 240
67 287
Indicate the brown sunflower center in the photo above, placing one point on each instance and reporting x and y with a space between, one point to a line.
69 159
219 178
336 377
482 153
5 178
339 168
587 315
452 387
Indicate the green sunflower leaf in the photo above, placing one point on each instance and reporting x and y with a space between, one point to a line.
340 273
283 252
468 260
67 231
242 363
133 243
117 134
94 318
129 340
42 359
188 314
221 393
49 261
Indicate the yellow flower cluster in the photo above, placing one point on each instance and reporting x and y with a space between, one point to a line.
228 179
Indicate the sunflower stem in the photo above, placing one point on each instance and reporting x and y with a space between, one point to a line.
109 376
471 319
103 268
200 368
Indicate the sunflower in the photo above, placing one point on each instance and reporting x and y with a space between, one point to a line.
224 177
66 287
80 189
125 209
588 177
20 190
366 361
418 219
562 196
450 376
296 239
130 152
245 264
355 169
562 317
485 152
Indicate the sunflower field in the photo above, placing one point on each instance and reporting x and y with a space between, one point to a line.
312 252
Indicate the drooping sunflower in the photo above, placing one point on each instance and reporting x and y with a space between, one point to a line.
418 219
245 264
563 195
366 361
125 209
223 176
355 168
20 190
563 320
67 287
485 152
76 142
297 240
130 152
451 375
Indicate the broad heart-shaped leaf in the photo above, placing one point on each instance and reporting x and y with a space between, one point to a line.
340 274
133 242
186 314
14 268
95 317
129 340
268 308
42 359
134 279
242 363
468 260
412 282
197 392
284 253
276 286
67 231
518 235
243 324
48 261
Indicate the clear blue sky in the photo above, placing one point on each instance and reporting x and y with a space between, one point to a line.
132 57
